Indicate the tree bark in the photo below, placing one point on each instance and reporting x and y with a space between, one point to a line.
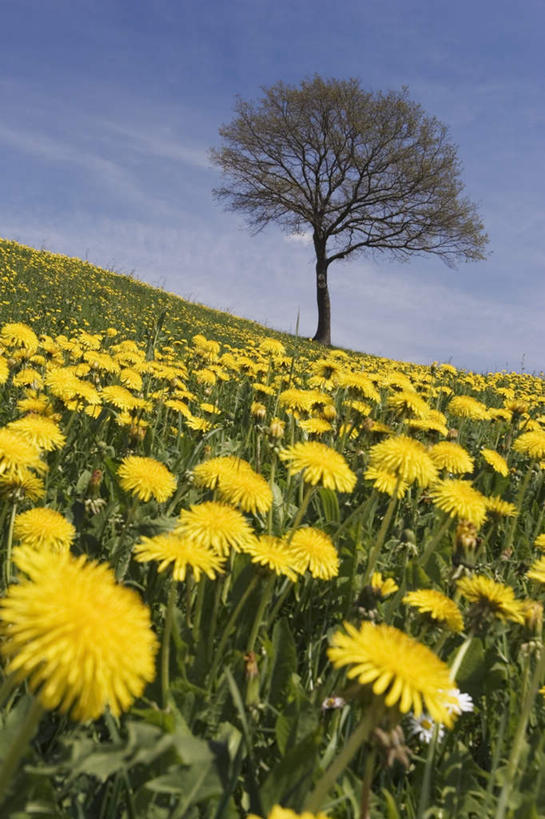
323 333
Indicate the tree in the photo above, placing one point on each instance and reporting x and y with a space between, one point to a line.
364 171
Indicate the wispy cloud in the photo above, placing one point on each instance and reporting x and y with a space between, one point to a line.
155 143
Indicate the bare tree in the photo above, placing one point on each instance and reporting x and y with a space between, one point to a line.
365 171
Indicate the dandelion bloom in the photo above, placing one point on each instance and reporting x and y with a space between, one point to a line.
22 485
452 457
404 457
540 542
119 396
146 478
21 336
496 461
491 597
82 641
314 550
464 406
44 528
216 526
459 499
497 506
273 552
384 586
410 401
4 370
537 570
319 464
437 605
43 433
408 673
247 489
386 482
182 553
17 455
531 443
208 474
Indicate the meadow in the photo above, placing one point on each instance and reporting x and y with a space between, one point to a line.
246 575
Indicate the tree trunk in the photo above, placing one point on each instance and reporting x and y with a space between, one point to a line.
323 333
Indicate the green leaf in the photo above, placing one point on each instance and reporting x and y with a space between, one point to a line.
330 505
289 781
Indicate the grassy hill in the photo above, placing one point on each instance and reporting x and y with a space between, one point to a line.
244 574
59 294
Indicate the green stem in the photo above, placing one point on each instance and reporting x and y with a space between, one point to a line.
265 598
288 587
309 491
19 745
9 543
519 502
375 551
518 742
230 625
426 783
315 799
165 648
365 801
198 608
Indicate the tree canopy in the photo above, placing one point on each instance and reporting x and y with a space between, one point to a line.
363 171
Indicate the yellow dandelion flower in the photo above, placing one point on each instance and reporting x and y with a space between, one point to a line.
404 457
464 406
119 396
491 598
4 370
23 485
537 570
531 443
540 542
314 550
406 672
28 377
243 487
459 499
21 336
496 461
438 606
44 528
43 433
272 552
315 426
452 457
198 424
182 552
35 404
209 473
80 640
319 464
384 586
409 401
386 482
17 455
497 506
146 478
215 526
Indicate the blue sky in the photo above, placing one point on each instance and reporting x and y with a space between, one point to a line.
109 108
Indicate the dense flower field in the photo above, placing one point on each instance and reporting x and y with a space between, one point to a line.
245 576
